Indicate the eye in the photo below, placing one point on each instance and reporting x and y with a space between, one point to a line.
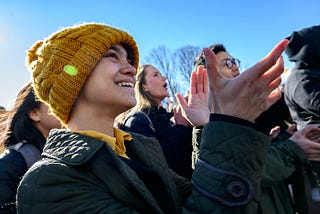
130 61
111 55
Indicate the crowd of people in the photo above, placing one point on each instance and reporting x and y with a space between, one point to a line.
89 134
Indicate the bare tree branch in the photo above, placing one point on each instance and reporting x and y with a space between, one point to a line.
162 59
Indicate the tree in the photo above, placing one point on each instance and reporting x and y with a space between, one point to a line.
184 58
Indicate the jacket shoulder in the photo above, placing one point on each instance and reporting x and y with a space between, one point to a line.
70 148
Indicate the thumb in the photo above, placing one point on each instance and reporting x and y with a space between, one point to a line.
211 66
182 101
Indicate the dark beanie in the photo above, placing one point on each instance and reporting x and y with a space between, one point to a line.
304 46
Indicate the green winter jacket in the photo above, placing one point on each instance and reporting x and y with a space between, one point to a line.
283 167
80 174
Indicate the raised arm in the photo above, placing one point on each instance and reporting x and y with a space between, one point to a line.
250 93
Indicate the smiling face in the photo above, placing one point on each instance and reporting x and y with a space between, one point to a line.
110 86
224 70
155 84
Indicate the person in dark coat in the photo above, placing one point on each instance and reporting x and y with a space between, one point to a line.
26 127
302 87
86 74
149 118
289 154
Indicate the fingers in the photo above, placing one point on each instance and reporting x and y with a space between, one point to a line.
202 80
313 133
270 60
314 157
193 83
199 75
272 76
273 97
307 139
313 151
310 128
199 81
291 129
182 101
211 66
274 132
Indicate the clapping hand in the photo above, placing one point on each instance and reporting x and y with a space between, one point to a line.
252 92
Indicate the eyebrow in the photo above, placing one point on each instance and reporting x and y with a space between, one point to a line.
115 48
120 51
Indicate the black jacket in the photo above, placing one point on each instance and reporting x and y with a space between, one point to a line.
302 88
12 168
175 140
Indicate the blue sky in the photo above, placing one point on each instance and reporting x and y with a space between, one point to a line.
248 29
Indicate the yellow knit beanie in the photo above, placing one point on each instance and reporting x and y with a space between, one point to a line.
61 63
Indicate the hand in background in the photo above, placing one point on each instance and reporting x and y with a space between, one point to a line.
196 109
308 140
253 91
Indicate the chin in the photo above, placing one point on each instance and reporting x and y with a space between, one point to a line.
131 103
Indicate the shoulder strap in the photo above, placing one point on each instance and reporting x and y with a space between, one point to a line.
150 122
29 152
154 130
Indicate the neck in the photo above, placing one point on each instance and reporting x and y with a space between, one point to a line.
92 121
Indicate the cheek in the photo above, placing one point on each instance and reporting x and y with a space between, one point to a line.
225 72
154 83
153 86
50 122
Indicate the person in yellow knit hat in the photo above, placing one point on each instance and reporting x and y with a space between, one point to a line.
86 74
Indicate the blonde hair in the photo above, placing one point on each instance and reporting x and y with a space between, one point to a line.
144 99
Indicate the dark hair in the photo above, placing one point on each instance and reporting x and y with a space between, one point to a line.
17 125
200 59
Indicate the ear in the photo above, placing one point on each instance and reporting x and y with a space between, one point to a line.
34 114
145 88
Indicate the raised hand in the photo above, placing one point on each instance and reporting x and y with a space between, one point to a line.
308 140
252 92
196 109
178 116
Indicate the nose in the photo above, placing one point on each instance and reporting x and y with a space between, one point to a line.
164 78
235 67
128 69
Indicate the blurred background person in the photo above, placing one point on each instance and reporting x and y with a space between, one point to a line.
25 129
302 91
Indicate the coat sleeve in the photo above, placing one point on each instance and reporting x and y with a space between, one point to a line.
283 159
227 175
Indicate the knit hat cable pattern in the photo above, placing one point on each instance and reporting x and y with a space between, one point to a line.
62 62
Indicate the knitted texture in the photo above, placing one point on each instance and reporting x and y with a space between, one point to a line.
61 63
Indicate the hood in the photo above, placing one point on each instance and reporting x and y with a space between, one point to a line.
304 47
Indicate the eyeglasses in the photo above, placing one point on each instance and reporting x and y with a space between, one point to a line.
231 62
